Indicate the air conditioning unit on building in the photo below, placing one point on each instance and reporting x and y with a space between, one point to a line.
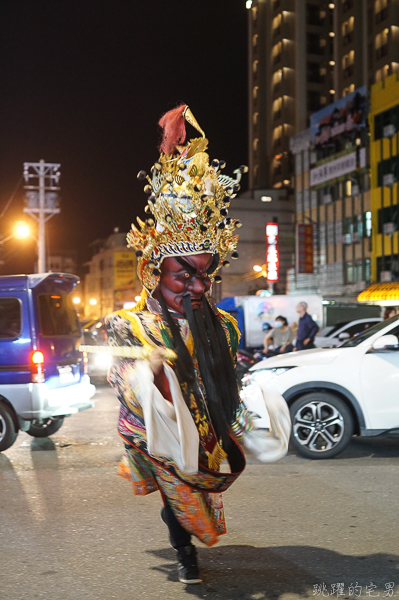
360 286
389 130
347 239
327 199
356 237
388 179
385 276
355 190
389 228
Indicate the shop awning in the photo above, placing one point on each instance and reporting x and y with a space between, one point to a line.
381 293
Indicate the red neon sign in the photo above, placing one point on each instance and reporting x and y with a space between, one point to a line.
272 256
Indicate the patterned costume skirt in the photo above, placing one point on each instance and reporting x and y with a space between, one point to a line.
200 513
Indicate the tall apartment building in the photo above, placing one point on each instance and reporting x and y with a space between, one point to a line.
303 55
291 49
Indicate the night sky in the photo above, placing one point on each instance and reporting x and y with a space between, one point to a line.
84 83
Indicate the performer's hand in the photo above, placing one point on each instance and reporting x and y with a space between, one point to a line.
156 360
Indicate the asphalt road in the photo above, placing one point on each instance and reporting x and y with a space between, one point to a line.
70 529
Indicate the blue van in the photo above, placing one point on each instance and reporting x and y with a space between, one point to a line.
43 375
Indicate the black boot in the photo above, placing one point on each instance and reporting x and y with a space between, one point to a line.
187 564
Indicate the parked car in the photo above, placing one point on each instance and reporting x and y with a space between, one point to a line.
97 364
335 393
334 335
43 375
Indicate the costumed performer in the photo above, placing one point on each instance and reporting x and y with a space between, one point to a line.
181 417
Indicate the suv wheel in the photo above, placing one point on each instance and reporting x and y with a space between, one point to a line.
8 432
45 427
322 425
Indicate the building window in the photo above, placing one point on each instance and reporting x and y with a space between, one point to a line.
388 117
277 108
277 76
382 73
255 118
388 171
349 272
277 133
255 66
255 92
348 64
276 24
367 224
348 90
381 10
255 173
348 31
388 215
255 144
313 72
276 52
367 270
313 15
381 44
314 43
347 5
313 101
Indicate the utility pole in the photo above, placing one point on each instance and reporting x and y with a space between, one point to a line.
42 201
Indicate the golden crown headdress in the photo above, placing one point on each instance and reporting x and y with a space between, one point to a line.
188 199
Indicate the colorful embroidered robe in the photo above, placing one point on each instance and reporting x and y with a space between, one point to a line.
195 499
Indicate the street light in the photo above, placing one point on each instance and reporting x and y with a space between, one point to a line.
76 300
92 301
257 268
21 230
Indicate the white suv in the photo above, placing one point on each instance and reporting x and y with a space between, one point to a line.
334 393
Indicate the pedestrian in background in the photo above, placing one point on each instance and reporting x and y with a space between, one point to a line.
390 311
281 336
307 328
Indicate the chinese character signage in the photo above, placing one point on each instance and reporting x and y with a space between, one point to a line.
304 240
272 258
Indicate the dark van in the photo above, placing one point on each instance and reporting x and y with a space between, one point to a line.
43 375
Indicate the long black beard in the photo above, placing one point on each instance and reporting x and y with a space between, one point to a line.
214 361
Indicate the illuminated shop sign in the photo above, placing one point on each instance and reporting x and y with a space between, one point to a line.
272 258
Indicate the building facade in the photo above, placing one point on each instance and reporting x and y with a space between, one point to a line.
332 195
255 209
290 76
304 55
384 171
111 280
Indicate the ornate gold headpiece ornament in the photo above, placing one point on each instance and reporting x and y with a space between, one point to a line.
188 200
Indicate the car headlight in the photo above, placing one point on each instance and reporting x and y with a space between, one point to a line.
103 360
263 374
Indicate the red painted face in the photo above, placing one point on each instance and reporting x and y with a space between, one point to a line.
177 281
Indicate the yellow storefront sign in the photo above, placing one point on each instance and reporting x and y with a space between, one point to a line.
124 270
381 293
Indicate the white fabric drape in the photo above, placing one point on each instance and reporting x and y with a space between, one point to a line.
171 431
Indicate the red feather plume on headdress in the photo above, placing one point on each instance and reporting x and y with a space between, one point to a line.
174 129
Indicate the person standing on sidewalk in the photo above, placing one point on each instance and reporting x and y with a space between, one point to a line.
307 328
